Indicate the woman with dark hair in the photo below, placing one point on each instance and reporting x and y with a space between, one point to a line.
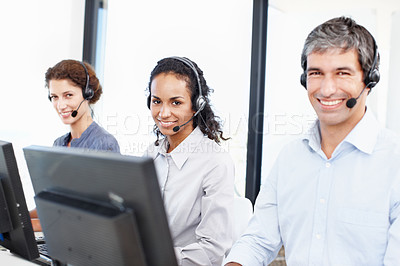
196 175
73 87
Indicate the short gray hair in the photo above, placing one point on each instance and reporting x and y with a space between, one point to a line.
343 33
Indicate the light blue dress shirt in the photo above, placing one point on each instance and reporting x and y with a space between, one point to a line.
339 211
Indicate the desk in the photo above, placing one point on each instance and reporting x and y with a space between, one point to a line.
8 258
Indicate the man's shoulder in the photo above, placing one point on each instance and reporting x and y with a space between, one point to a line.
296 145
389 141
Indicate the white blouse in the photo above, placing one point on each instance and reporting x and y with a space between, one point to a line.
197 184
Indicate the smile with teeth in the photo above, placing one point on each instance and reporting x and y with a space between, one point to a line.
64 114
330 102
166 123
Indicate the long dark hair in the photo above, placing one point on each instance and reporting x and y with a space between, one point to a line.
206 120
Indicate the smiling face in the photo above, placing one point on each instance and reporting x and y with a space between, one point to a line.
333 77
171 106
66 97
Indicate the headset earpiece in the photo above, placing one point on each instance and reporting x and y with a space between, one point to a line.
148 101
373 76
87 92
200 103
303 80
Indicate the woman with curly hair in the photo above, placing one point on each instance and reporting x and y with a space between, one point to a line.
73 87
196 175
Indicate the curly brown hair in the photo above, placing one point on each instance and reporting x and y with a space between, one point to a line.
74 71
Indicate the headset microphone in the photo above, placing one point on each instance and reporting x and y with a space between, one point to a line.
353 101
75 112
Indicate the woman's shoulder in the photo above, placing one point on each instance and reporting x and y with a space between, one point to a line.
214 151
151 150
100 132
103 140
62 141
216 160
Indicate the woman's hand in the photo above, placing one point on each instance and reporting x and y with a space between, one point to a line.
35 221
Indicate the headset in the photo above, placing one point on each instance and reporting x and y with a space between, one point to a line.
87 92
200 102
370 80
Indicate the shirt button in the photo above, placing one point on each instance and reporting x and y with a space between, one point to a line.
322 201
328 165
318 236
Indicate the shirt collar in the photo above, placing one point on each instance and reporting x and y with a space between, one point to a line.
181 153
363 136
313 136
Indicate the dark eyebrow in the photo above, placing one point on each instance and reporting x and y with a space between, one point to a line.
346 68
313 69
63 93
177 97
337 69
172 98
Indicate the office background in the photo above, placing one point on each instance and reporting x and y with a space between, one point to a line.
134 35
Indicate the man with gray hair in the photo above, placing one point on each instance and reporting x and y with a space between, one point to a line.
333 196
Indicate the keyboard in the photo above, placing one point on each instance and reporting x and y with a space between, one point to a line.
39 238
44 258
43 249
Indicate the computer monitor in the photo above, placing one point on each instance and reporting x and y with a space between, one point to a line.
15 225
99 208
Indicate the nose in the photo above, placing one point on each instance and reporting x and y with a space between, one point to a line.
165 111
61 104
328 86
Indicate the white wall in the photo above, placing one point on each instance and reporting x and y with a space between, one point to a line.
35 35
214 34
393 106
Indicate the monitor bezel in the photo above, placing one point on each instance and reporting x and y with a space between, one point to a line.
87 173
21 239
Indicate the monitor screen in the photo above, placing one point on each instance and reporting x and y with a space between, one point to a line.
16 233
99 208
